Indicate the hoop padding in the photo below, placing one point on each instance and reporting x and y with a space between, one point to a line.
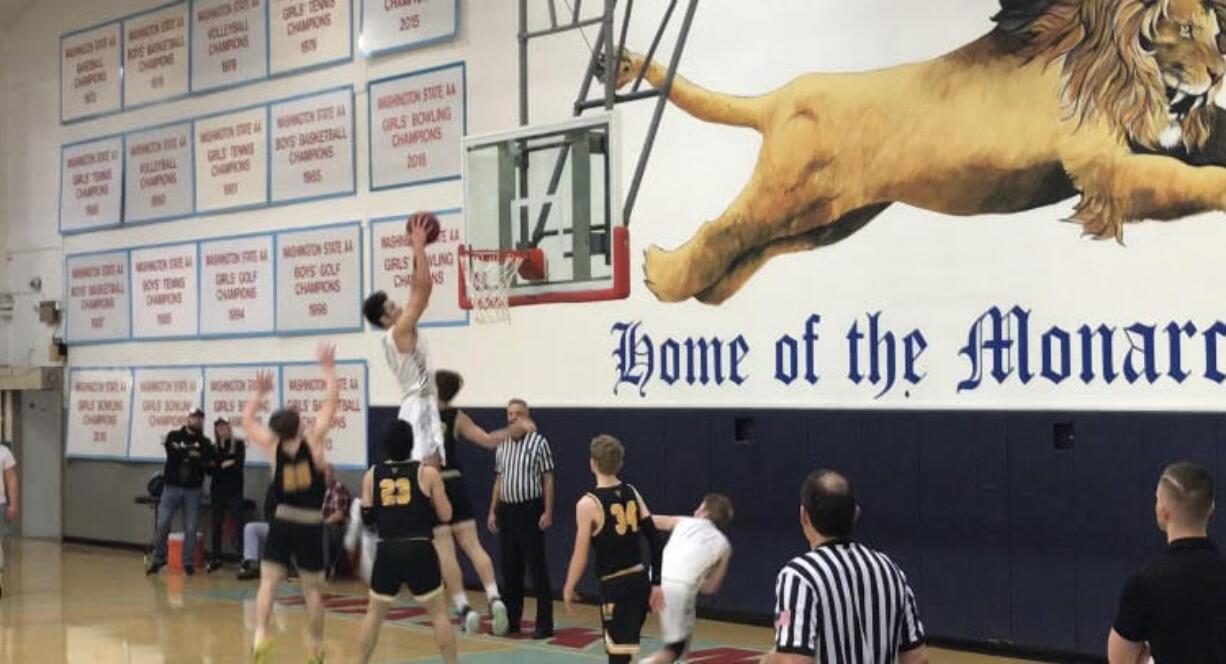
486 276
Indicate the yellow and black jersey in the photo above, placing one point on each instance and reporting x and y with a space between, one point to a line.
402 511
617 535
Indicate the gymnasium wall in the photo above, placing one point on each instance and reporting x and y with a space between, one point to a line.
929 354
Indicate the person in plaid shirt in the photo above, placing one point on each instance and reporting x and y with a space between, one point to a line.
336 518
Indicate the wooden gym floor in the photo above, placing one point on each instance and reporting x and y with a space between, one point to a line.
68 603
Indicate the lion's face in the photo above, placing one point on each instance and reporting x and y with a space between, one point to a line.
1182 38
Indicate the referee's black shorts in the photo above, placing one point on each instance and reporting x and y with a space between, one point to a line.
624 606
406 562
457 494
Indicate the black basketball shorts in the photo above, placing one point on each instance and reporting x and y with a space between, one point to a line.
406 562
299 544
623 609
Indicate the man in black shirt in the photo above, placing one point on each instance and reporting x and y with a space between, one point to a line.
226 490
1175 609
188 453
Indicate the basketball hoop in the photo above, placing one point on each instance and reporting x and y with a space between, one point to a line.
487 276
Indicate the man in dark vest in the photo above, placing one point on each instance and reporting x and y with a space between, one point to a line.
188 453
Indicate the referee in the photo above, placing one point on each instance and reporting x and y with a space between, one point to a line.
842 601
521 510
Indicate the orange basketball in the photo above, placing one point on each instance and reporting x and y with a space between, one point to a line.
433 228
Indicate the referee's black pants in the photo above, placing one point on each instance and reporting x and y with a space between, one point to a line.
523 541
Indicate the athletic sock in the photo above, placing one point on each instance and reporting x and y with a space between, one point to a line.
461 603
491 592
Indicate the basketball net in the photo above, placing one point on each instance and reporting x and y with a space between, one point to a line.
488 276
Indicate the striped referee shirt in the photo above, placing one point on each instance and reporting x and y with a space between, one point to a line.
521 462
844 602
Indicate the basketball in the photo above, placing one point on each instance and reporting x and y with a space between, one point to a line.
433 228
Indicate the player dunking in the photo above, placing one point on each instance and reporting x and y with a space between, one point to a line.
614 516
405 349
409 360
401 499
462 526
295 534
695 561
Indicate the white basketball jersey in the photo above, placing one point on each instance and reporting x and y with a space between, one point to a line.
412 369
693 550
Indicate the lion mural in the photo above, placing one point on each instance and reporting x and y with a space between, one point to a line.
1107 100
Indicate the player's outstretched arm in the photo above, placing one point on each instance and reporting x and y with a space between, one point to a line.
255 431
326 353
585 518
432 485
471 432
665 522
404 331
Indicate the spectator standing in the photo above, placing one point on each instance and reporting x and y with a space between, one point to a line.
1175 609
188 455
226 489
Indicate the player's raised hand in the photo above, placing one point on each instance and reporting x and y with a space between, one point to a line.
417 230
522 426
657 599
263 381
326 354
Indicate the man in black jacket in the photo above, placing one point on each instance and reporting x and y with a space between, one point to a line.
226 490
188 454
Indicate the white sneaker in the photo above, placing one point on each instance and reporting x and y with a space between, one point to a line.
472 622
498 617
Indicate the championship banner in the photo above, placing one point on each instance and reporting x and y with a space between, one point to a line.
393 25
227 389
417 121
231 160
165 292
89 73
91 177
236 286
308 33
313 146
391 265
161 400
158 173
305 389
99 408
97 288
229 43
319 279
155 55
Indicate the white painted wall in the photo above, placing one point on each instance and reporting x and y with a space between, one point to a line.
921 269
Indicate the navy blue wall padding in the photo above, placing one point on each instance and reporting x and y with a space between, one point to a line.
1005 536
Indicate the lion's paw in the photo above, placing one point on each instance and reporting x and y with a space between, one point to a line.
661 276
1099 220
628 68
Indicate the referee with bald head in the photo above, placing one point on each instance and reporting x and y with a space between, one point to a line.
842 602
